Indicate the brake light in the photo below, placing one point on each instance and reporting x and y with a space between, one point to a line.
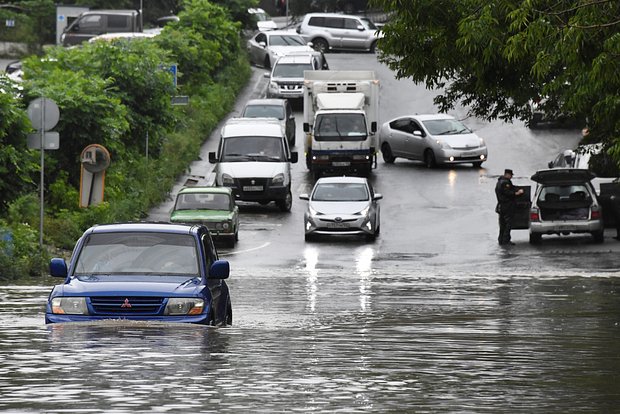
534 216
595 214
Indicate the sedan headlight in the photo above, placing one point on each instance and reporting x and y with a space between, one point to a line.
278 179
314 212
443 144
69 306
227 180
184 306
364 212
482 143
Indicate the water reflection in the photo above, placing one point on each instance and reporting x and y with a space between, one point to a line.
311 256
363 267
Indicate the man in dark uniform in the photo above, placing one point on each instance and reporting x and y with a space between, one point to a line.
506 193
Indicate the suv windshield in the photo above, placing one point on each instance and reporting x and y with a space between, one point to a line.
340 127
138 253
291 70
264 111
239 149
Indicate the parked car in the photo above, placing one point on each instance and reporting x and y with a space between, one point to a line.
334 31
124 36
286 79
565 202
142 272
265 48
214 207
342 206
254 160
434 139
273 108
96 22
261 20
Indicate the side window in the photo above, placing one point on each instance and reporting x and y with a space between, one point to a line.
414 126
209 248
92 21
334 22
261 38
316 21
351 24
400 125
118 22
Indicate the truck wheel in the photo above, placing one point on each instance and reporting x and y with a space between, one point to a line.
429 159
386 151
320 45
286 203
535 238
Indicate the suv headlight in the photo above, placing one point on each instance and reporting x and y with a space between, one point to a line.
227 180
278 179
184 306
273 85
69 305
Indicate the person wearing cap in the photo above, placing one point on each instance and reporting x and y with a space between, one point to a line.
506 194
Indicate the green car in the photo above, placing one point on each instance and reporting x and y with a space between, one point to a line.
214 207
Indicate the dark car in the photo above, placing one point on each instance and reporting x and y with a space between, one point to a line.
142 272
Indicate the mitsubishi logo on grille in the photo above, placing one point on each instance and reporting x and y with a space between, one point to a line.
126 304
253 182
338 219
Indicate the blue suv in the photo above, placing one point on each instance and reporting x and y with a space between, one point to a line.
142 271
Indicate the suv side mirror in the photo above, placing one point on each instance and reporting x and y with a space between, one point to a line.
373 127
75 28
212 158
294 157
306 127
360 28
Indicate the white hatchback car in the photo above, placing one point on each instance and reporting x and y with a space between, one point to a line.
342 206
266 47
434 139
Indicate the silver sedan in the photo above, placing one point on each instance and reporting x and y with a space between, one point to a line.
342 206
265 48
434 139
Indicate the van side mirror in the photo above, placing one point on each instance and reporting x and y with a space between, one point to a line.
373 127
212 158
294 157
306 127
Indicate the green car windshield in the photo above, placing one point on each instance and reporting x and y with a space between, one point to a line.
203 201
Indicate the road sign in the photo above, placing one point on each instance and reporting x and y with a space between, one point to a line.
173 69
51 140
180 100
43 113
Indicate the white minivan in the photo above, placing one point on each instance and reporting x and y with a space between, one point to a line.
254 159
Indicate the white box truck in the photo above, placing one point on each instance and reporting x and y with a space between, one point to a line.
340 121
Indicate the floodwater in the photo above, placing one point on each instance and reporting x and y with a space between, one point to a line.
371 335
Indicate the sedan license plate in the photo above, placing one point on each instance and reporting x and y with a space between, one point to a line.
252 188
338 225
341 163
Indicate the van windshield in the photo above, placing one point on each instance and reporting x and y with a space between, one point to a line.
249 148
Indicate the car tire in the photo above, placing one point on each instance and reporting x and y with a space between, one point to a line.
229 315
386 151
267 63
429 159
308 160
535 238
286 203
237 235
478 164
292 141
599 236
320 45
371 237
308 237
373 47
231 241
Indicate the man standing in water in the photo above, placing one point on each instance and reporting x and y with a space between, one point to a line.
506 193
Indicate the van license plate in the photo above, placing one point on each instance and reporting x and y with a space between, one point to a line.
341 163
252 188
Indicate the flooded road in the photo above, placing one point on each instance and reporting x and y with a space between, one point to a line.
360 337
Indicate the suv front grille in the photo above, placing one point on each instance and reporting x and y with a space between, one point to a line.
134 305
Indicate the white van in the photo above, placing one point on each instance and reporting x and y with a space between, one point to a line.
254 159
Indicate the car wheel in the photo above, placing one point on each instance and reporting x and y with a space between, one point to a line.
429 159
599 236
371 237
231 241
373 47
478 164
237 235
308 237
229 315
267 63
535 238
320 45
286 203
308 160
292 141
386 151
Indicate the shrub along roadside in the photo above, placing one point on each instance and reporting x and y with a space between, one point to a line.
110 95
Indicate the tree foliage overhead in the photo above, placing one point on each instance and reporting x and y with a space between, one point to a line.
497 56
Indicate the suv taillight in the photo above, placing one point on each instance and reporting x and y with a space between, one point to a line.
534 216
595 214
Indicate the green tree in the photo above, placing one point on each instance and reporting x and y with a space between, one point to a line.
496 56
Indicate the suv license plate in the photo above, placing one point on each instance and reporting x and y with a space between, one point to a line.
252 188
341 163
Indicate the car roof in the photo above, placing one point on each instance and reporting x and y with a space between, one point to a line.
266 101
561 176
156 227
319 14
205 190
295 58
342 180
430 117
264 127
282 32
